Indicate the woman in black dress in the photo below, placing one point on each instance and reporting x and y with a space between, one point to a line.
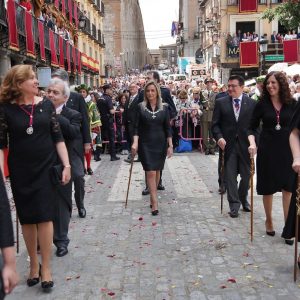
28 126
274 158
152 138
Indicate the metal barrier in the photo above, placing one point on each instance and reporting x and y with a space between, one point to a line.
189 125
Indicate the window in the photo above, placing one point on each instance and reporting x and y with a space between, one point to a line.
84 48
173 51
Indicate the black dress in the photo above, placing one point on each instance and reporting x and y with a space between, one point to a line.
153 130
274 156
30 158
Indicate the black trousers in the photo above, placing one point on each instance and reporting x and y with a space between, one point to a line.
109 134
237 164
79 193
63 212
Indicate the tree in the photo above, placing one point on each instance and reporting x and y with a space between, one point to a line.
287 13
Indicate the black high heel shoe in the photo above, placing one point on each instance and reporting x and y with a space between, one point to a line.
33 281
270 233
47 286
155 212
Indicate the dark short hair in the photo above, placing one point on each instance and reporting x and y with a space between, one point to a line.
156 76
239 78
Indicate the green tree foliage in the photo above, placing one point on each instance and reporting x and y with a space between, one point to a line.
287 13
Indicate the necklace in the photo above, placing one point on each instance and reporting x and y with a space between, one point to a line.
278 126
29 129
153 113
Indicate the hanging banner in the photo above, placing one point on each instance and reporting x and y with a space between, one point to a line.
42 40
12 26
68 54
54 61
74 58
56 4
63 7
29 35
249 55
75 14
291 51
79 62
70 11
61 52
248 6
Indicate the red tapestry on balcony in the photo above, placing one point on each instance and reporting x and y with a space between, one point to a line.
75 14
70 11
291 51
54 61
61 52
12 26
56 4
42 40
79 61
248 6
68 54
74 59
249 55
29 35
63 6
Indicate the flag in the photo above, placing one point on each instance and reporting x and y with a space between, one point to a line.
248 6
249 55
29 35
13 36
291 51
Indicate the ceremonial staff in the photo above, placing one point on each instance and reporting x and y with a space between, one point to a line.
222 178
252 171
129 180
296 228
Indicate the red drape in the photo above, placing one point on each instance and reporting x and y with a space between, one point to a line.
63 6
249 55
79 62
68 54
74 58
291 51
42 40
12 26
248 5
56 4
75 14
70 11
54 61
29 35
61 52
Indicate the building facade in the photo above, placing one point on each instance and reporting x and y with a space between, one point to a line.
126 47
168 55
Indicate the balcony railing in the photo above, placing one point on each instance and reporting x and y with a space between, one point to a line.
262 2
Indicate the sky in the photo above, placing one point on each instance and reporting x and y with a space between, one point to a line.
157 17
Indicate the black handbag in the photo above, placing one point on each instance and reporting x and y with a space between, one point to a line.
56 174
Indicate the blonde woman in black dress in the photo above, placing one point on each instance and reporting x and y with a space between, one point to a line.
152 138
29 127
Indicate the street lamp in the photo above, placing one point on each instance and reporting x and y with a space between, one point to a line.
263 47
82 21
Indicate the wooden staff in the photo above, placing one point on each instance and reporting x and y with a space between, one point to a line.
129 180
17 233
296 228
252 171
222 178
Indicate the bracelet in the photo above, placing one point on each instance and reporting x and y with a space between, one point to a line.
171 146
67 166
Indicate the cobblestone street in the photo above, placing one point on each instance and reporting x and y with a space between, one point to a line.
188 251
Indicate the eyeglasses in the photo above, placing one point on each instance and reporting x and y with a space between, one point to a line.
233 85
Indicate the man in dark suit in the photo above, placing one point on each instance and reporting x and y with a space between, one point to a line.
166 98
76 102
230 124
129 115
274 37
70 124
8 273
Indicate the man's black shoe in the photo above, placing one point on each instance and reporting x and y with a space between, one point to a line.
127 160
222 190
207 152
233 214
160 187
114 158
82 212
89 171
247 208
212 151
145 192
97 158
61 251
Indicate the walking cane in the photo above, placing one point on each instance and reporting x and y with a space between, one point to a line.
222 178
129 180
296 228
17 233
252 171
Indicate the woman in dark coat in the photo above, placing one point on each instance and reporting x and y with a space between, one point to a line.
29 127
152 138
274 158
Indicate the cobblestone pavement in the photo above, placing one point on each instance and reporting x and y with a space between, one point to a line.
188 251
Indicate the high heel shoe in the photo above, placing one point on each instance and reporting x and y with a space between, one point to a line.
47 286
271 233
155 212
33 281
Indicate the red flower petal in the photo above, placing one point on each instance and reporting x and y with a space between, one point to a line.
232 280
110 293
154 223
223 286
141 218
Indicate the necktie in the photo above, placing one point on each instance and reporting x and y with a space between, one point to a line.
236 104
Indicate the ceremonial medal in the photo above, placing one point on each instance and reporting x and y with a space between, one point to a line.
29 130
278 127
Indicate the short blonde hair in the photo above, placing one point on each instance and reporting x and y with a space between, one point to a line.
159 99
9 90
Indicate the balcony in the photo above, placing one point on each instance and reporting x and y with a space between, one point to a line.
100 39
102 9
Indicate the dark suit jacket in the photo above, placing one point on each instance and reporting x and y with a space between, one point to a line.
77 103
224 124
6 228
273 38
166 97
70 124
129 113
